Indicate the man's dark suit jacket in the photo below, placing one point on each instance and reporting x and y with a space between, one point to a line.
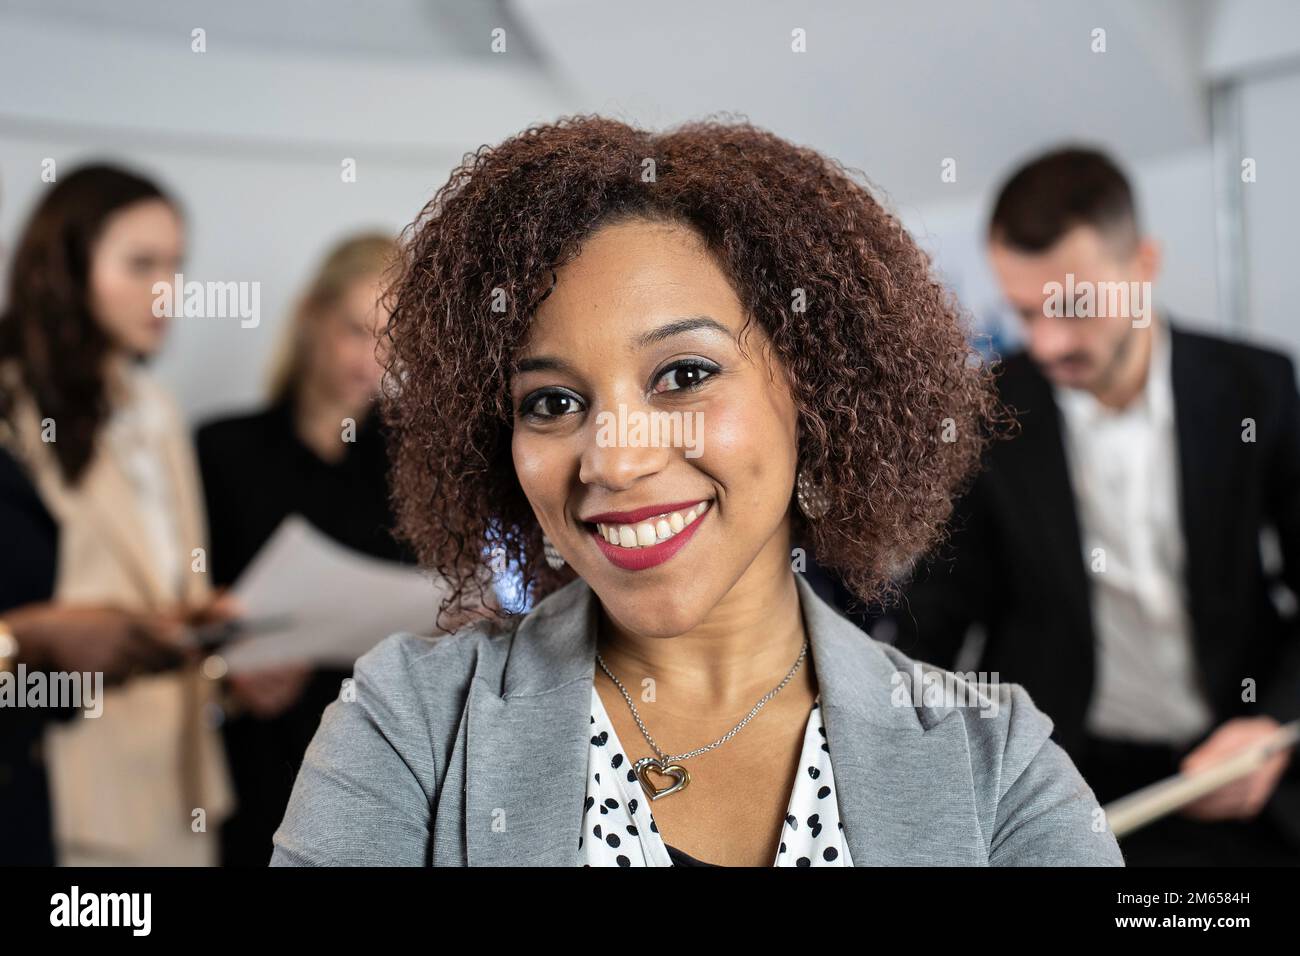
1015 565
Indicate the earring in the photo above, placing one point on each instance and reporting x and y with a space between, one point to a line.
813 501
553 556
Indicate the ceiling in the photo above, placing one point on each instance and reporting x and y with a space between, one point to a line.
891 88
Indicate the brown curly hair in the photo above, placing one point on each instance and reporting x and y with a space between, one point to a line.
894 405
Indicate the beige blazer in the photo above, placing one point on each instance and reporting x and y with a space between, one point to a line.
126 786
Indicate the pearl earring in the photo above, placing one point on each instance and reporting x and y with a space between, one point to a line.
813 501
553 556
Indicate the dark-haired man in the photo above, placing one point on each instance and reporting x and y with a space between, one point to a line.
1111 551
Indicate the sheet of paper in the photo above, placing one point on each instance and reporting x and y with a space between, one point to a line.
327 605
1164 797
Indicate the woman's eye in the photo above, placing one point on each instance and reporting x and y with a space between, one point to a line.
682 376
551 405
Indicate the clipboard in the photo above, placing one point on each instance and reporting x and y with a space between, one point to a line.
1165 796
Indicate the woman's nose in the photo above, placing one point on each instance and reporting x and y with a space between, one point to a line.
617 458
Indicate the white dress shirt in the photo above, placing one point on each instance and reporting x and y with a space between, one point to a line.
1124 471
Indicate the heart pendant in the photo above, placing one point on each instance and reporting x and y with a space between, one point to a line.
647 765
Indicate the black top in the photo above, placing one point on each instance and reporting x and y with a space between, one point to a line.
682 859
28 562
256 472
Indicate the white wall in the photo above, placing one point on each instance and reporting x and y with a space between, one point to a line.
1271 136
251 133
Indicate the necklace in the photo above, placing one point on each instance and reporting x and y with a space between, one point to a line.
666 766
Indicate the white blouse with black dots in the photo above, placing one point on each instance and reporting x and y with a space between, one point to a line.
619 830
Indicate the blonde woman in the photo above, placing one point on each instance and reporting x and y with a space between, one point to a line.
316 450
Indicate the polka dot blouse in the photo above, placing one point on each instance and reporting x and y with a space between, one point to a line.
618 828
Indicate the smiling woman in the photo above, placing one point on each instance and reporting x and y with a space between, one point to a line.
585 269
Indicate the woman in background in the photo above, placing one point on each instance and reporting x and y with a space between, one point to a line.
317 450
98 461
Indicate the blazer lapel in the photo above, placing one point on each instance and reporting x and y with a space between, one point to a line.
102 498
527 740
1205 477
892 811
1037 468
108 500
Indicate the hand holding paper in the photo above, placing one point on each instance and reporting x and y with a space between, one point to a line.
1246 796
308 600
1183 789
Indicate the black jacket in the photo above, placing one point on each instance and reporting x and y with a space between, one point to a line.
28 549
256 472
1014 564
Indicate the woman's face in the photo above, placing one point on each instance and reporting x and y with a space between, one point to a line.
140 245
344 364
658 458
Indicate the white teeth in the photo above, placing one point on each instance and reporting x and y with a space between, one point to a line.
644 534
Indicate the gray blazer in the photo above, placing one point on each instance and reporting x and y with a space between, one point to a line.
471 750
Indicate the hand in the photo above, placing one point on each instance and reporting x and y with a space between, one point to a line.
223 606
116 643
1244 798
270 692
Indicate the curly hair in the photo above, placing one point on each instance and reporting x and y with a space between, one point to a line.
894 406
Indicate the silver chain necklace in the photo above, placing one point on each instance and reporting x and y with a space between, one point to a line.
666 766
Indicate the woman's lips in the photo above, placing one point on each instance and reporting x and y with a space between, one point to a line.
660 533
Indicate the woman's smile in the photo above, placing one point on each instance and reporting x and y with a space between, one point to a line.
646 537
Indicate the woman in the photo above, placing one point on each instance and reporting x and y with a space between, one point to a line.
318 451
40 635
104 451
586 275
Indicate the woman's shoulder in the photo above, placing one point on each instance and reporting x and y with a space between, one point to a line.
432 670
1035 807
997 714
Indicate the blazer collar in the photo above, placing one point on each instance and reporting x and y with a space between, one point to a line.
527 743
555 645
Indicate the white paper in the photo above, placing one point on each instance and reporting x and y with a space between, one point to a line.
332 604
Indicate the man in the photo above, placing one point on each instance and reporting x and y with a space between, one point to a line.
1110 552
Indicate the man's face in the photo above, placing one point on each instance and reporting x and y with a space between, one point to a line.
1081 350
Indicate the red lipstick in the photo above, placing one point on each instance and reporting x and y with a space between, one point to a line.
639 559
639 514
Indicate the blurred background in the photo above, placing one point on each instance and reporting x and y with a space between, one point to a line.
298 138
252 134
